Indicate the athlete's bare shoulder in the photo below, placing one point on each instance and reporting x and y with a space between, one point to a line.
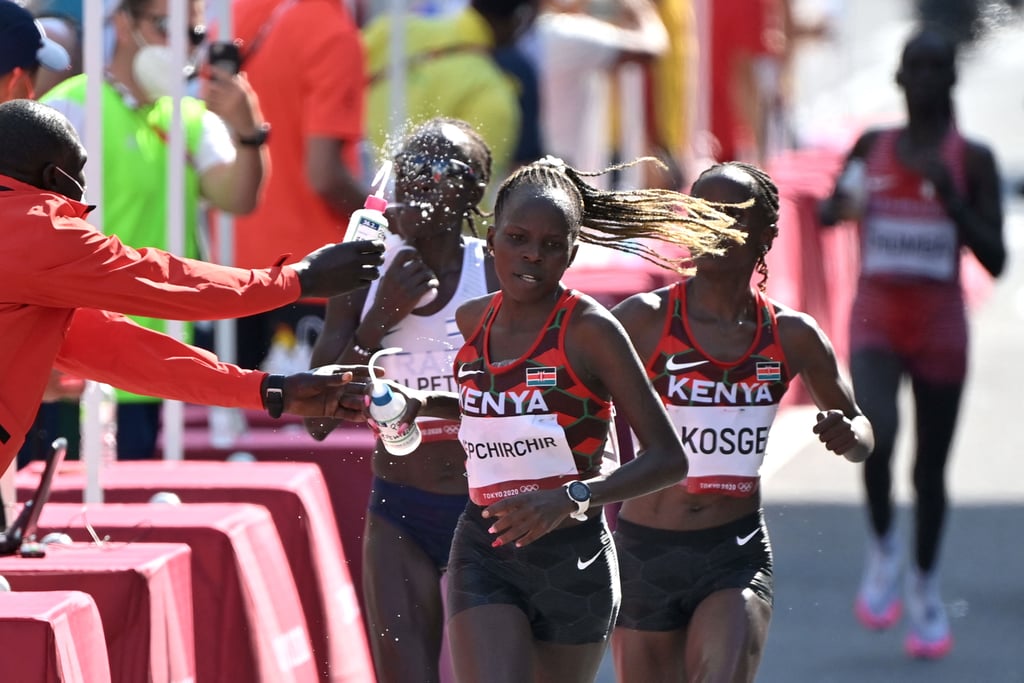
795 325
470 313
802 338
865 142
642 308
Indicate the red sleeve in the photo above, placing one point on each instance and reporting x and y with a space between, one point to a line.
332 66
111 348
61 261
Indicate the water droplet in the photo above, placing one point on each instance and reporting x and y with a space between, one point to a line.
958 609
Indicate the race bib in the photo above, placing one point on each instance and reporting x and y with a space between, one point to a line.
924 247
724 444
506 456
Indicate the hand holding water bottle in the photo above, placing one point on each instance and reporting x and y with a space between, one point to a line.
387 411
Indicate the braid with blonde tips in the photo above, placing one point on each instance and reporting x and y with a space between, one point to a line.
617 219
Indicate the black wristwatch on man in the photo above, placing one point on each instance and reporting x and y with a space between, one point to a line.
273 395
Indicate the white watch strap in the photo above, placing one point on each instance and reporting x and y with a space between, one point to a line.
581 507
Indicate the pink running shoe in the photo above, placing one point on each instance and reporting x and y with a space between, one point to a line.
878 605
929 636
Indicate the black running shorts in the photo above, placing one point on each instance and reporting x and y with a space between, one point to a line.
566 582
666 574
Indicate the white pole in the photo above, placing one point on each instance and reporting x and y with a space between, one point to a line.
178 18
92 61
396 71
225 424
700 145
632 122
224 345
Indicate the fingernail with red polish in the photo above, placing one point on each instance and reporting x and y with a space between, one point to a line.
497 543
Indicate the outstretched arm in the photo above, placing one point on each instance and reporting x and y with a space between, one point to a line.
111 348
334 345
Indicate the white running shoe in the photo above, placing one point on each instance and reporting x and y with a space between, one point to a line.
929 636
878 605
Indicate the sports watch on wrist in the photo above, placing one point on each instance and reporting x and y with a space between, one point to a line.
258 138
273 395
579 493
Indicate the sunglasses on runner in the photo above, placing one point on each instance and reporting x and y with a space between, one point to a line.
424 167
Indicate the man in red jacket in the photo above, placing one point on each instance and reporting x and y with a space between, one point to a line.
64 286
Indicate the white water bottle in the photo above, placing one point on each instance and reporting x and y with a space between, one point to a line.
369 222
386 409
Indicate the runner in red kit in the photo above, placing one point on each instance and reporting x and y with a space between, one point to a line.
921 194
695 558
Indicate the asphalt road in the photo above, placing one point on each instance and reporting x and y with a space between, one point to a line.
813 500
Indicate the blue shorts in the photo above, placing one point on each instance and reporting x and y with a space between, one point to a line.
427 518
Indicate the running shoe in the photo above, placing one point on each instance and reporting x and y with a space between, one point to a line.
878 605
929 636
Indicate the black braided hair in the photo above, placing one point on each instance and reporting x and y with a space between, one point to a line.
618 219
480 159
766 200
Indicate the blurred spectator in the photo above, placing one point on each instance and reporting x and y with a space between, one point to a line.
72 9
961 19
305 61
225 162
748 46
67 32
521 67
672 83
24 48
580 43
452 72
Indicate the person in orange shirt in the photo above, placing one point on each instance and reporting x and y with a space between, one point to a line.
60 278
305 62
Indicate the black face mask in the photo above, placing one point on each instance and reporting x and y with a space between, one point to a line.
78 186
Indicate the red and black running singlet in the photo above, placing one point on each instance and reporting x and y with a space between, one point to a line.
530 424
905 231
722 411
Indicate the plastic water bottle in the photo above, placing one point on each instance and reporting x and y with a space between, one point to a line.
101 398
369 222
386 409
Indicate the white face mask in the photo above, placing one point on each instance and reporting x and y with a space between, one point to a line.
152 70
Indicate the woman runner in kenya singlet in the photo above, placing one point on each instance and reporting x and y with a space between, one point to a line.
695 558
